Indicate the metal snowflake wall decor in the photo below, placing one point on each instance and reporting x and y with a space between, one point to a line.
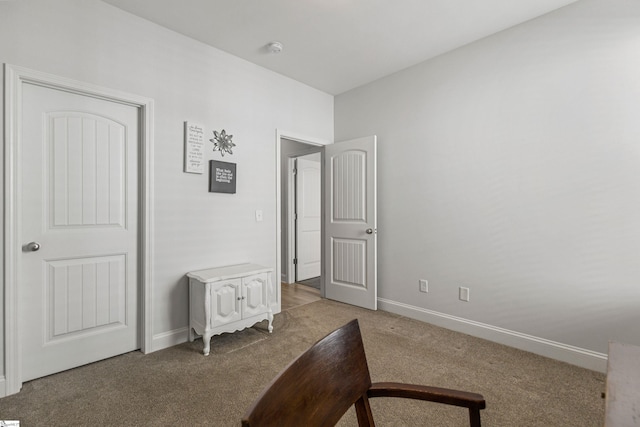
222 142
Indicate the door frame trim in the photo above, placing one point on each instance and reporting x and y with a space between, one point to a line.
14 78
294 136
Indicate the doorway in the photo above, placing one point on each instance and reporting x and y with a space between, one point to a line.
349 230
289 145
301 212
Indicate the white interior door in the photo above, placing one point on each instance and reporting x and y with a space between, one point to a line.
78 292
308 216
350 222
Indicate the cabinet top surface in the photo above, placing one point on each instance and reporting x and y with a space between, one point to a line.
227 272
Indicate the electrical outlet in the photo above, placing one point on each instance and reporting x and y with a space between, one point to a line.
424 285
463 294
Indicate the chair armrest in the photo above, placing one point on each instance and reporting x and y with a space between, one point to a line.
433 394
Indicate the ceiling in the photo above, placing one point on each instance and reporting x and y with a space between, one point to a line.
337 45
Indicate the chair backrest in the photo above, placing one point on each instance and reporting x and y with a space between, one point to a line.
318 387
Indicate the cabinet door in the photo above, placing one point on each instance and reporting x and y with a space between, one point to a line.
255 290
225 302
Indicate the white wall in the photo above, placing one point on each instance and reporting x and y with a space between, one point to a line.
511 166
96 43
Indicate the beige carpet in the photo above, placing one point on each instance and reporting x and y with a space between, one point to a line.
180 387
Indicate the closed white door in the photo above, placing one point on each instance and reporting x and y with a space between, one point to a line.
308 216
350 222
78 207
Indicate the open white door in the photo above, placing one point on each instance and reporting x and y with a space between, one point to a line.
350 222
308 214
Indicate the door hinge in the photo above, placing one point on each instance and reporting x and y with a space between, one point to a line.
295 171
295 261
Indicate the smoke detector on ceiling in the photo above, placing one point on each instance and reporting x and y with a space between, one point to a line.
275 47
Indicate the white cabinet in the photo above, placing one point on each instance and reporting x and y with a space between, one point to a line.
228 299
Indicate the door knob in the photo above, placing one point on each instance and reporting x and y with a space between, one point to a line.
369 230
32 246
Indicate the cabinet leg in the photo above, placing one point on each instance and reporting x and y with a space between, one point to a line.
206 340
191 334
270 317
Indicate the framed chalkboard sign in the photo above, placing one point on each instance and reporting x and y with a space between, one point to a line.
222 177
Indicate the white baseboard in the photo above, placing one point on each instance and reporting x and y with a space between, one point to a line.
566 353
169 339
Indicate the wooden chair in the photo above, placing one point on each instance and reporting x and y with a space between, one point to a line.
318 387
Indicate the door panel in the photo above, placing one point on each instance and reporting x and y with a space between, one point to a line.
350 222
308 211
256 294
226 303
349 262
86 170
84 294
79 201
